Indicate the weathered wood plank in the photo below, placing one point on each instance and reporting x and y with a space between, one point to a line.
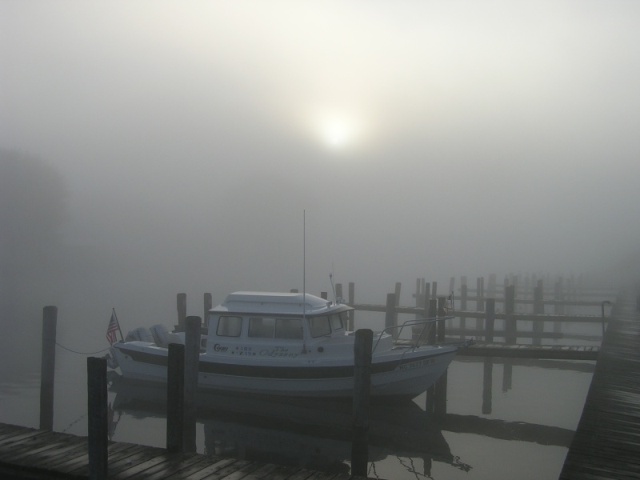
219 470
206 466
204 462
240 473
154 457
173 463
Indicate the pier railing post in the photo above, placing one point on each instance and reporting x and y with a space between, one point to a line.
48 366
362 351
98 426
175 398
191 361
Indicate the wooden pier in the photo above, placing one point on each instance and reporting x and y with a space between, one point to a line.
541 352
607 441
27 453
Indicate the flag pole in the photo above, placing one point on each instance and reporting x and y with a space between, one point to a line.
118 323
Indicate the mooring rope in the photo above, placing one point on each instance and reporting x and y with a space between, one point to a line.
74 422
372 468
81 353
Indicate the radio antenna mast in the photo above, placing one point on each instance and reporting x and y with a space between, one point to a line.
304 264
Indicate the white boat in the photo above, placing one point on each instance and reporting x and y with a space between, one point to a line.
288 344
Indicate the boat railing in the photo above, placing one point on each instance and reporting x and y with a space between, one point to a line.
420 328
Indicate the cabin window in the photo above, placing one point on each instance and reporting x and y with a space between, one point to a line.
336 322
289 328
229 326
319 326
262 327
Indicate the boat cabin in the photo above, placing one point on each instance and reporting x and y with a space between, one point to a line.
278 319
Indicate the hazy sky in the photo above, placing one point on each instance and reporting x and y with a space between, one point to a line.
422 138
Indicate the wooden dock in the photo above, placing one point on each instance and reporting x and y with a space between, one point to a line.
542 352
607 441
27 453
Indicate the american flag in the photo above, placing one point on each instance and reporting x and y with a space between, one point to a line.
113 327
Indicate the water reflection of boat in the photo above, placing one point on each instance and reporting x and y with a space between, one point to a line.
289 344
314 434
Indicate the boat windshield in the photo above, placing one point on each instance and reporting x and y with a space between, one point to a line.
229 326
325 325
281 328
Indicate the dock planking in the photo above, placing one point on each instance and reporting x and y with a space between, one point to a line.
607 441
27 453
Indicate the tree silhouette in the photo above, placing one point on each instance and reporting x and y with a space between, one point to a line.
32 210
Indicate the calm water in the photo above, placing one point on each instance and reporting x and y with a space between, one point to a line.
522 425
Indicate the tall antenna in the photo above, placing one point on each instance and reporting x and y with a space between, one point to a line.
304 274
304 264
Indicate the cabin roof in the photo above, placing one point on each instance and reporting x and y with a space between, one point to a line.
277 304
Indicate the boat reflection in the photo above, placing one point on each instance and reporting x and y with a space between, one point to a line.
307 433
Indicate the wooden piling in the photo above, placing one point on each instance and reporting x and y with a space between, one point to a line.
464 293
480 294
362 351
509 310
442 304
558 308
352 313
98 426
433 313
487 383
181 301
479 301
48 366
191 361
208 303
491 289
490 320
538 309
510 328
175 398
339 296
397 292
440 392
390 316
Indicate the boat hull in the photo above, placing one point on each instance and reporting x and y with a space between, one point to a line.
404 373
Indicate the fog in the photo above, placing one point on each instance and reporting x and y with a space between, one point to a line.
151 148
